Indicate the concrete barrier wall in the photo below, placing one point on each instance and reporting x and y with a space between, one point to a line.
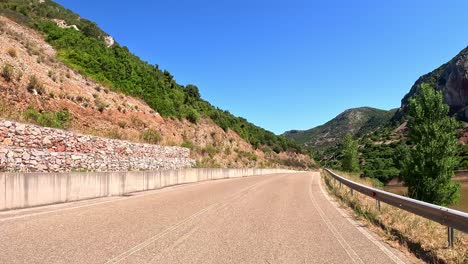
22 190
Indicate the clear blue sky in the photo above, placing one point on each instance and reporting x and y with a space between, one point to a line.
288 64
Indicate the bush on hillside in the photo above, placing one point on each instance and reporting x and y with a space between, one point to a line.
60 119
7 72
35 86
151 136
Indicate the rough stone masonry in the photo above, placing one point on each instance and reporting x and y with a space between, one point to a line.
31 148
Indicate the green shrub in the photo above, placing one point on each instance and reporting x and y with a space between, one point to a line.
188 144
248 155
193 116
7 72
60 119
151 136
137 122
462 157
114 134
100 105
35 85
210 150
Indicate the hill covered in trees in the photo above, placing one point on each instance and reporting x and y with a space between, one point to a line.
88 51
356 121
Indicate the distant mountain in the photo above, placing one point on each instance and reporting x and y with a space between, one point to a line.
450 78
357 121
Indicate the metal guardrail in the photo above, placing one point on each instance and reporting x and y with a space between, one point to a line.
453 219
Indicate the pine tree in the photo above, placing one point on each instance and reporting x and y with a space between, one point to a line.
350 154
428 166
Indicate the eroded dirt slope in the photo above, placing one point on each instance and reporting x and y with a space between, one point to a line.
99 111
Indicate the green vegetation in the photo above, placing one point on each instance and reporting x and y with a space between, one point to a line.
188 144
247 155
350 161
380 161
357 121
325 142
151 136
114 134
60 119
35 85
100 105
428 165
210 151
193 116
463 157
7 72
116 67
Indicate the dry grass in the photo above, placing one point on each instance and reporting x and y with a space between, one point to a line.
12 52
426 239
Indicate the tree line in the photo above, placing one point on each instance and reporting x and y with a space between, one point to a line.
427 160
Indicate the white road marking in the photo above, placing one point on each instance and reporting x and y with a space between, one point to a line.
344 244
194 216
363 230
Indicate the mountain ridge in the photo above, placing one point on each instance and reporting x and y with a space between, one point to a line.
355 121
452 79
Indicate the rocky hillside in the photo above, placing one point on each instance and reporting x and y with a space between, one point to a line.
47 82
450 78
356 121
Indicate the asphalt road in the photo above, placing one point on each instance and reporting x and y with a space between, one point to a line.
283 218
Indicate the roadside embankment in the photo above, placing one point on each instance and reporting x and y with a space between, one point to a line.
22 190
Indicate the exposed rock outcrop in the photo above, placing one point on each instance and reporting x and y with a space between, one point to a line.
450 78
109 41
62 24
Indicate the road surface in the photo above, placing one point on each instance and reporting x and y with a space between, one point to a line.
282 218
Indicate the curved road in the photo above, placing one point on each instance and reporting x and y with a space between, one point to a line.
282 218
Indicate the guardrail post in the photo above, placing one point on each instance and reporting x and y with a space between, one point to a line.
351 191
450 236
377 201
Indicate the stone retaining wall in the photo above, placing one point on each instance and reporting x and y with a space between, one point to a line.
31 148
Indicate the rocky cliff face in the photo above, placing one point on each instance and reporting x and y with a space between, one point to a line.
450 78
